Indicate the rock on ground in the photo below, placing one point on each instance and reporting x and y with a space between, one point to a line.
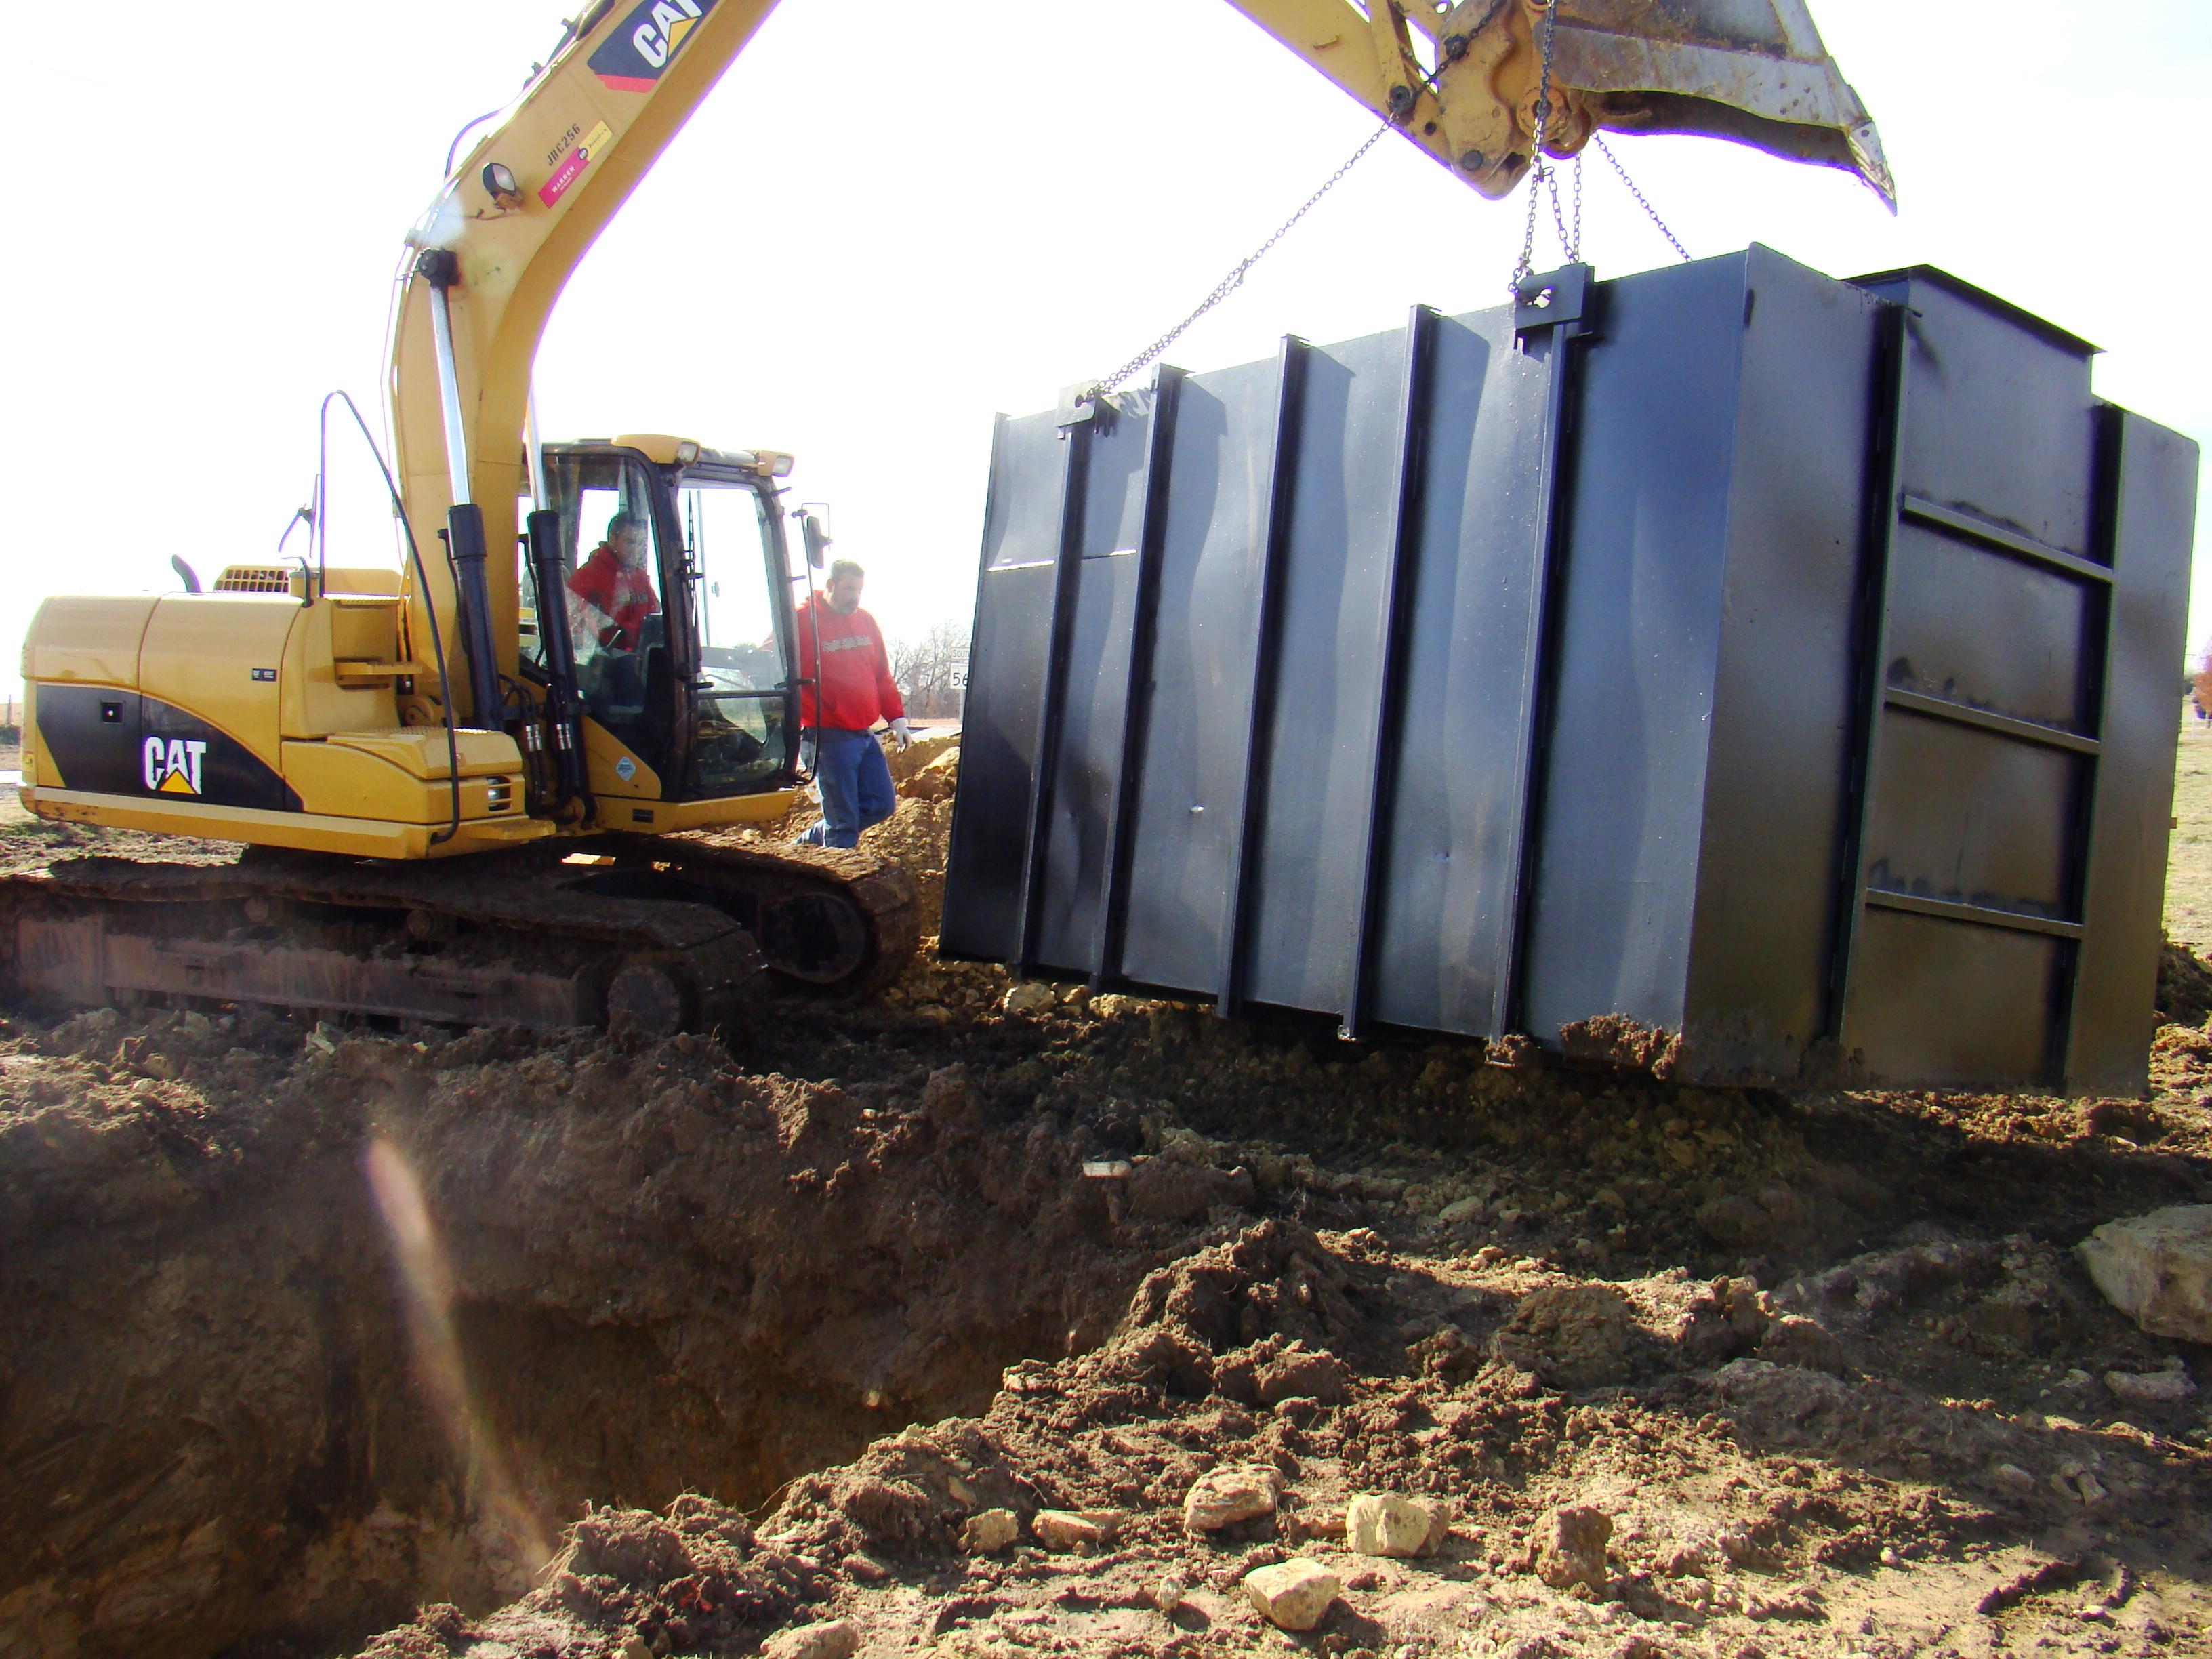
2157 1269
2169 1387
988 1531
1221 1497
1572 1548
1387 1524
1292 1594
835 1638
1064 1529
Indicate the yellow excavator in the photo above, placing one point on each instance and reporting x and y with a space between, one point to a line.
466 792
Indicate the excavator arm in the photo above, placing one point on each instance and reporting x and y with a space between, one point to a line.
487 262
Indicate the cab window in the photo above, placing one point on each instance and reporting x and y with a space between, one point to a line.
610 602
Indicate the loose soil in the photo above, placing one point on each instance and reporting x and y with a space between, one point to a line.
318 1341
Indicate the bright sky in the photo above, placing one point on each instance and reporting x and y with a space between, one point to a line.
892 219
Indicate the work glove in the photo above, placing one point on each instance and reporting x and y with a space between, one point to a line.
806 751
900 734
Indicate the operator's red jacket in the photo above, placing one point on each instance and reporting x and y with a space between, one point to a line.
855 685
624 597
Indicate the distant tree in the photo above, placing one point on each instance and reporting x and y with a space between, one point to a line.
931 671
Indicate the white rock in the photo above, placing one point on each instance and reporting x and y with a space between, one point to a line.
2157 1269
835 1640
1461 1209
2167 1388
990 1530
1029 997
1292 1594
1066 1529
1385 1523
2014 1478
1221 1497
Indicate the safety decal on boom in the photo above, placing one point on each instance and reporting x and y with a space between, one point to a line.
569 162
646 42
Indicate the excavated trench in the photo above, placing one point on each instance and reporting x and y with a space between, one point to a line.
299 1339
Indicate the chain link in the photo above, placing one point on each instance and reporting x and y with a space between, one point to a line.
1575 247
1569 240
1235 280
1672 241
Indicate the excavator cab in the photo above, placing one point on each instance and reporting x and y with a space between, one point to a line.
671 586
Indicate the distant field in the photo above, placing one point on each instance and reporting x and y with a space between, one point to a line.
2189 863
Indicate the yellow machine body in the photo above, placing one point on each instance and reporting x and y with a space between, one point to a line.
269 712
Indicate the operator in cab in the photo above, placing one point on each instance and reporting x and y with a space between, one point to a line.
847 687
615 588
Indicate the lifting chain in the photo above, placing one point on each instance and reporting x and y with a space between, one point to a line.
1542 175
1672 241
1235 280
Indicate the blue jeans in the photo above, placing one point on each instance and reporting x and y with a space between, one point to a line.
855 781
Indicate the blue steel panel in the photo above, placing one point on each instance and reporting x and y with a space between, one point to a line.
2151 512
1775 800
1975 627
1082 801
1184 820
1314 815
1944 1002
2004 423
1972 816
1638 637
1013 620
1445 937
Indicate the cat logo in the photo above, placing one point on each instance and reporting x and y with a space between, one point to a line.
631 58
172 765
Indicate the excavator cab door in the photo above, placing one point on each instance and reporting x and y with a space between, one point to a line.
742 721
674 602
615 548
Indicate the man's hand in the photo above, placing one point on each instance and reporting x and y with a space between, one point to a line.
900 735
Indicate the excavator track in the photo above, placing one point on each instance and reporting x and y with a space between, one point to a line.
651 934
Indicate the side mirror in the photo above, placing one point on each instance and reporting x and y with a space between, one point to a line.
813 529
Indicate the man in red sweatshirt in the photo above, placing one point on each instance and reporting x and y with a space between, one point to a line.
615 588
841 651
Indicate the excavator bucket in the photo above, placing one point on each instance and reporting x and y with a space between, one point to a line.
1467 82
1750 70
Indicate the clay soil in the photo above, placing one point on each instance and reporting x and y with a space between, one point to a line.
319 1341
